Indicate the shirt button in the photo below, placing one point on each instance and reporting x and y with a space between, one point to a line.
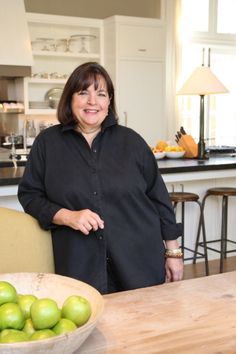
95 193
95 150
100 237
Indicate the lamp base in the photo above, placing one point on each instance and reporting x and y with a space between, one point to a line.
202 155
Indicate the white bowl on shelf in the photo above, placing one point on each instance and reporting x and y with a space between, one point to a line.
175 154
159 155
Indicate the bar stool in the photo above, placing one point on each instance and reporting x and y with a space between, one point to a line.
225 193
185 197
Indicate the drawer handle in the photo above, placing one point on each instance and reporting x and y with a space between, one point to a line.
142 50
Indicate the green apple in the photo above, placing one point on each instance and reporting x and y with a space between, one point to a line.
7 293
11 316
25 302
28 327
64 326
42 334
77 309
44 313
13 336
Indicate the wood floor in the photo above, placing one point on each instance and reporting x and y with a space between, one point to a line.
198 270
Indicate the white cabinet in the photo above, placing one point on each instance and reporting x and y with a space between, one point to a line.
59 45
135 58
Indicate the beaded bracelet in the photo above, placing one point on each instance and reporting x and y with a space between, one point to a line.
175 253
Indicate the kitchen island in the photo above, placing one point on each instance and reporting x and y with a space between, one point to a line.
190 175
194 316
171 169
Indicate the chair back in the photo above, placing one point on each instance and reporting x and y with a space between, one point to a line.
24 245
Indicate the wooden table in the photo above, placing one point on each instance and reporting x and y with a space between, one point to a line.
191 316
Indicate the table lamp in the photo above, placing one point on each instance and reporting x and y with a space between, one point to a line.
202 82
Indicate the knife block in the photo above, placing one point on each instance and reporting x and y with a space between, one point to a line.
188 144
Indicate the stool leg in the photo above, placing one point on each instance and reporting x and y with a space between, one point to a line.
202 220
175 207
225 200
183 220
199 229
197 239
223 232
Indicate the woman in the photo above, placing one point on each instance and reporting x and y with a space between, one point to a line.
97 186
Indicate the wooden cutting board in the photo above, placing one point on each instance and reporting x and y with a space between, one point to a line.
191 316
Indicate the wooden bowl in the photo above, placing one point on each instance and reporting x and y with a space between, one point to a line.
58 288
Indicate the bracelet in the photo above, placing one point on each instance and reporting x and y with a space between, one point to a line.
173 253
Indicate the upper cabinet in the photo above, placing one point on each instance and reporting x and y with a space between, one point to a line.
141 40
135 58
59 45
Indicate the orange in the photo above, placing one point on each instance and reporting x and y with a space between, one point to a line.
161 145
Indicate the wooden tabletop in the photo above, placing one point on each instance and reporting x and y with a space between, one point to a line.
191 316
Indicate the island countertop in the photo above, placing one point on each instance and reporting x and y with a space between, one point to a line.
12 176
191 165
194 316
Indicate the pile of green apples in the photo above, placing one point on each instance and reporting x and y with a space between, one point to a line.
24 317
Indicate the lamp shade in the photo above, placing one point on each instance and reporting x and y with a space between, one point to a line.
202 82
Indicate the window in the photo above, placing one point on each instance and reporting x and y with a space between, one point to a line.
226 16
195 14
220 110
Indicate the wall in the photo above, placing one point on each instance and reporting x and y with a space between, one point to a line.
95 9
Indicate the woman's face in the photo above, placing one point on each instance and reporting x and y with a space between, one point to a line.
90 106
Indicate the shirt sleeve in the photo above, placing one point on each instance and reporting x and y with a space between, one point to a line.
157 192
31 191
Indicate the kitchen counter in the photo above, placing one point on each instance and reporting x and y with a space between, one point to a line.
180 173
191 165
11 176
194 316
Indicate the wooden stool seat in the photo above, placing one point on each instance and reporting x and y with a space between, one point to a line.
225 193
182 198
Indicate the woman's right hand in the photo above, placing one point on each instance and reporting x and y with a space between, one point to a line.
83 220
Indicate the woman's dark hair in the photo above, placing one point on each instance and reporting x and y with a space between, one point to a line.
81 78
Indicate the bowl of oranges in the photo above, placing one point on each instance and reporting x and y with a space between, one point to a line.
174 151
159 149
46 313
158 153
164 149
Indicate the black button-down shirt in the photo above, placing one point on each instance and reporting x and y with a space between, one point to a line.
117 178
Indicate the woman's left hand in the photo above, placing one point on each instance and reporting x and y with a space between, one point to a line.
174 269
